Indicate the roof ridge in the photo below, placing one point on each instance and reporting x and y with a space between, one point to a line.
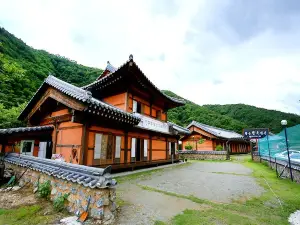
105 77
219 128
131 60
69 86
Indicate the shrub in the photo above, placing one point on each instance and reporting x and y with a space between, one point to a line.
188 146
44 189
201 141
219 148
59 202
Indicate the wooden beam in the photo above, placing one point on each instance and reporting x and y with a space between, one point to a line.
59 97
84 140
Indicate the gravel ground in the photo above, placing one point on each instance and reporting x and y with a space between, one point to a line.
211 181
218 182
145 207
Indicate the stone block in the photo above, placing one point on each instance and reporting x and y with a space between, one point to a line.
106 201
53 191
97 213
74 190
78 202
71 198
113 206
99 202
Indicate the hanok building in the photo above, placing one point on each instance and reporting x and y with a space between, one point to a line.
120 120
204 137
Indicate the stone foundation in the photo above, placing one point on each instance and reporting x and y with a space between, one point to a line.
202 155
102 204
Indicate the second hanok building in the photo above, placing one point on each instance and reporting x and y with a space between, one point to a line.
204 137
120 120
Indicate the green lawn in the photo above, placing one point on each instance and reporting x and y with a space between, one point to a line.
265 210
24 215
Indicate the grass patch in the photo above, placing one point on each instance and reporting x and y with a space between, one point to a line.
263 210
236 174
25 215
158 222
190 197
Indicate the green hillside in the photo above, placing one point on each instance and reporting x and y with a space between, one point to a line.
22 70
256 117
185 114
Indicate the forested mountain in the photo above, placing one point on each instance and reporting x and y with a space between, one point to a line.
190 111
256 117
22 70
232 117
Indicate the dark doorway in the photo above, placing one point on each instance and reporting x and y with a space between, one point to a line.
139 107
138 150
172 148
49 150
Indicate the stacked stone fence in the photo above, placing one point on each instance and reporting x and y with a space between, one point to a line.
80 186
281 167
202 155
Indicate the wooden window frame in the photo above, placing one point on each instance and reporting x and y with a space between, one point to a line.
32 147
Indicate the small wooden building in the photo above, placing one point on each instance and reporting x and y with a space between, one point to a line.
120 120
208 138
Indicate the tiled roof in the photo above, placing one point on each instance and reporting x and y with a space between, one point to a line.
69 89
25 129
99 108
110 68
84 175
94 105
113 77
218 132
181 130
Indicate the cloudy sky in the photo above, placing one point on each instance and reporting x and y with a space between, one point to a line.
210 51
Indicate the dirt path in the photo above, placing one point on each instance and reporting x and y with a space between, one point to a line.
218 182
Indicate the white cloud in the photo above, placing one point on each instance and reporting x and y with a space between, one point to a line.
172 43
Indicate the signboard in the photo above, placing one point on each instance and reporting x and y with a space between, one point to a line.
152 124
255 133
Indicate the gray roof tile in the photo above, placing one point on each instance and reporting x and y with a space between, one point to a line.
83 175
25 129
181 130
93 104
218 132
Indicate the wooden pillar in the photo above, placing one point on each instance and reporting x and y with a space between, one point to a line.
150 148
125 146
55 132
167 149
84 140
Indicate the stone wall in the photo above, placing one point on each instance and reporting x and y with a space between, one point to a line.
280 167
102 204
202 155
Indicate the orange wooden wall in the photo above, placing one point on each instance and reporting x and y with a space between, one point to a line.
117 100
146 104
69 138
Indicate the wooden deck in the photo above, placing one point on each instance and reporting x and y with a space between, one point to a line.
136 165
